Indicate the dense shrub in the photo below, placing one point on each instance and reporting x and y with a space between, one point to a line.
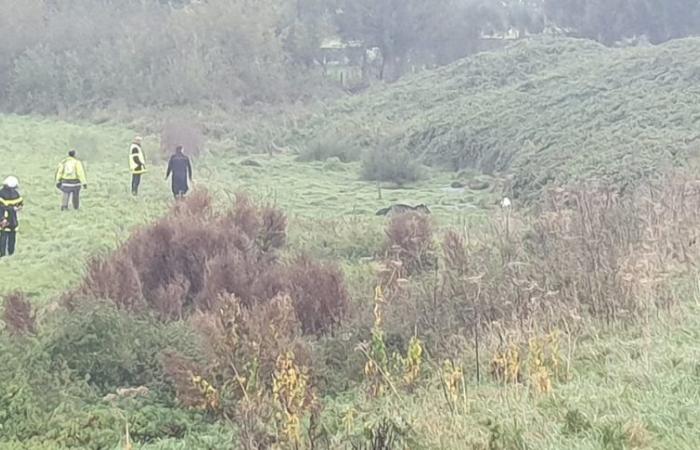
591 252
392 165
410 241
247 342
95 54
51 386
242 350
319 293
171 270
110 349
18 315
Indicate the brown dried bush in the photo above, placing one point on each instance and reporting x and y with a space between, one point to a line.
18 315
320 297
245 342
189 259
180 371
242 347
588 253
410 240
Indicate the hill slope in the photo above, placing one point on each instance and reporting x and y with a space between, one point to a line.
545 110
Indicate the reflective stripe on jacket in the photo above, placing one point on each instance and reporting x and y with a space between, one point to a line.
10 203
71 172
137 161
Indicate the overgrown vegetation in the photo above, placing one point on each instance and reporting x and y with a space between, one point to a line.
226 329
299 319
542 111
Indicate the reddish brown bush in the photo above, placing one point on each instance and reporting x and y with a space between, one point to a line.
410 240
273 232
189 259
18 315
117 279
320 297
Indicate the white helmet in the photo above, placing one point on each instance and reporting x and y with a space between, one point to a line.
11 182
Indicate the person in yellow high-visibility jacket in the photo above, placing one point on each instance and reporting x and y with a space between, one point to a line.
137 164
70 177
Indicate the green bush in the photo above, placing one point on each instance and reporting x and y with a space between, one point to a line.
110 349
330 146
386 164
114 59
52 384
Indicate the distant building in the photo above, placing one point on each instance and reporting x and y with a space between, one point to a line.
346 61
508 35
335 51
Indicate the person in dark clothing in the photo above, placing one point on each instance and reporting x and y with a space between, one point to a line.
181 170
10 203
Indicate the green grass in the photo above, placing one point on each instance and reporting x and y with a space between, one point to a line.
54 246
630 388
543 110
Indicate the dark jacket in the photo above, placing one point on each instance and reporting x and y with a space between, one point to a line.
10 202
181 169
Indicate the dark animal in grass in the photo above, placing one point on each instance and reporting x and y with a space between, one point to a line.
478 185
401 209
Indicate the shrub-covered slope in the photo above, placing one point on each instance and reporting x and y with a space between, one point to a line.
545 110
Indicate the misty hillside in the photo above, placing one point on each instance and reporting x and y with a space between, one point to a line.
542 110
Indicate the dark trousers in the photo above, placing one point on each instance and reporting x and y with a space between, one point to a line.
135 182
180 187
8 239
70 193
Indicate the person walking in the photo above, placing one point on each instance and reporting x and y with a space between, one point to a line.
137 164
10 203
70 178
181 169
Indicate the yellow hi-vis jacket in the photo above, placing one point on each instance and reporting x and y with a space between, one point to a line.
10 203
71 172
137 162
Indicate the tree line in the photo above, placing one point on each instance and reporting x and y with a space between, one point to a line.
57 54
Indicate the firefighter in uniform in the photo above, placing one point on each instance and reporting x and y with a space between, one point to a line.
10 204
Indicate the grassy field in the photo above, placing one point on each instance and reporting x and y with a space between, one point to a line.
628 390
53 246
542 110
628 387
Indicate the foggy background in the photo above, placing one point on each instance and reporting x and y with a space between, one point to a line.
62 54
